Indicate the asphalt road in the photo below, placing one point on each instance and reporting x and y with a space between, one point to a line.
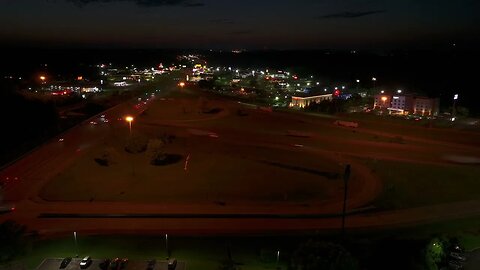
34 170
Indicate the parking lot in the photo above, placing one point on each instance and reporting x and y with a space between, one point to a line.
54 264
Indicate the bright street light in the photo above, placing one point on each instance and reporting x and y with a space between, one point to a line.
384 99
129 119
454 109
166 245
76 244
399 91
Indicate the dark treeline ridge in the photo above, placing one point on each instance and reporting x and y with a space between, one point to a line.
26 122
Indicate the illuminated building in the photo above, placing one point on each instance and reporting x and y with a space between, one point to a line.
302 102
407 104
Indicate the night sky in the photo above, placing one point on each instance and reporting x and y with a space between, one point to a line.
249 24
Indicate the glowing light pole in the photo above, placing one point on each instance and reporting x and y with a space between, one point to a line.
454 111
43 79
76 244
278 257
374 80
129 119
384 99
166 245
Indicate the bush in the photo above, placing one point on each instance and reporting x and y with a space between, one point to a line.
136 144
103 161
162 159
107 158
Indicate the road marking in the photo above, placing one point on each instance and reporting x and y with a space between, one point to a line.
186 162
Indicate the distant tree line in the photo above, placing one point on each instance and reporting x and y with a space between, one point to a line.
336 105
15 241
25 121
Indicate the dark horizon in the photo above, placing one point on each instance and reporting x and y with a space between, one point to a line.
211 24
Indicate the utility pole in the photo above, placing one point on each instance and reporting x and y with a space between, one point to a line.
346 176
454 109
166 246
76 244
278 259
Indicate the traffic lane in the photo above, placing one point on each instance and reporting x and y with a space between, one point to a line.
55 155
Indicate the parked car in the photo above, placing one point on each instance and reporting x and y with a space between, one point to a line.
6 208
65 262
151 264
172 264
85 263
123 263
458 256
455 265
114 264
104 265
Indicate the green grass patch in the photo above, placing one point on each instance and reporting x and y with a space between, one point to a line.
411 185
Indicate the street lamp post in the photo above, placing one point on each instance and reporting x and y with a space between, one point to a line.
374 80
278 257
166 246
454 109
129 119
384 99
76 244
358 84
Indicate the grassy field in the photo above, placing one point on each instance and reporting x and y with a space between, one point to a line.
237 166
425 129
410 185
219 171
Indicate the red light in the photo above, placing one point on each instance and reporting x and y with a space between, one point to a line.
13 208
336 93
